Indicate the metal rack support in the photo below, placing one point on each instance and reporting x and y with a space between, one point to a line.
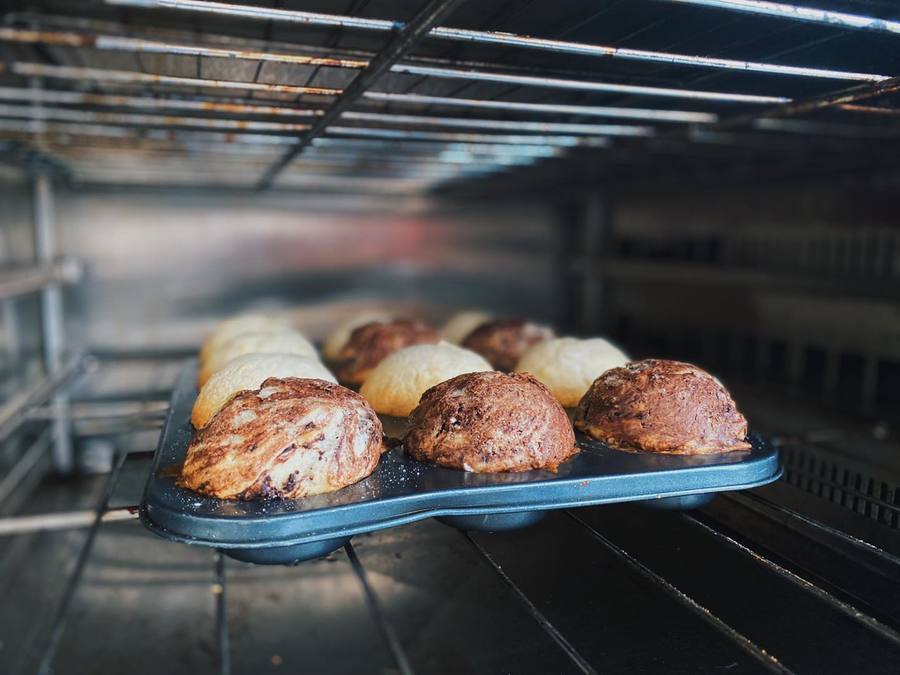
52 328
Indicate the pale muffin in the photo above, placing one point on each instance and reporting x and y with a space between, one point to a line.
568 366
397 383
461 324
248 372
264 342
236 325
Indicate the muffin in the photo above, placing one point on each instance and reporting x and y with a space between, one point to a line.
236 325
461 324
336 340
290 438
662 406
503 341
398 382
248 372
490 422
568 366
368 345
265 342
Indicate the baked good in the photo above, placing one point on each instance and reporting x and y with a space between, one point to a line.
236 325
290 438
461 324
248 372
398 382
336 340
490 422
662 406
568 365
503 341
370 343
263 342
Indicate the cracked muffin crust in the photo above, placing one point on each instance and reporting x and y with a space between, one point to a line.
662 406
290 438
503 341
490 422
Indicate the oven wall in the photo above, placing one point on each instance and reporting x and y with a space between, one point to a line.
794 284
161 267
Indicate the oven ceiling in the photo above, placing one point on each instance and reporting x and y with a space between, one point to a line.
411 97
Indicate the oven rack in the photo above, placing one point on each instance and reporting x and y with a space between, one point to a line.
412 104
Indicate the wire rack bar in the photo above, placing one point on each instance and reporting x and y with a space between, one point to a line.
748 499
650 114
135 45
133 77
584 85
404 40
501 125
248 126
448 137
139 119
24 465
59 621
146 102
27 280
845 608
814 103
798 13
15 410
877 110
242 108
384 626
102 410
140 46
750 647
580 662
500 39
222 616
35 127
67 520
265 14
40 127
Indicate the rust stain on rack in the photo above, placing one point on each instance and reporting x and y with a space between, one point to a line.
78 73
117 43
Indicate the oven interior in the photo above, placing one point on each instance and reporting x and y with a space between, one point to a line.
709 180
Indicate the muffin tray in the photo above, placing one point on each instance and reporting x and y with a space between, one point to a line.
402 490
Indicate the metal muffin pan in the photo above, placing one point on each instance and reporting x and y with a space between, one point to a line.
402 490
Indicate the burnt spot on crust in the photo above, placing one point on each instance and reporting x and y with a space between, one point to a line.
490 422
503 341
663 406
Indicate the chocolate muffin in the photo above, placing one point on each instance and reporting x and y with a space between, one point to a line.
490 422
370 343
503 341
290 438
662 406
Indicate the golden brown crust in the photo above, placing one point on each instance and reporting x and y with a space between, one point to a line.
489 423
503 341
372 342
662 406
290 438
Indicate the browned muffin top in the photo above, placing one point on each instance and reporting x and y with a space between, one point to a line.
490 422
662 406
291 438
503 341
369 344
